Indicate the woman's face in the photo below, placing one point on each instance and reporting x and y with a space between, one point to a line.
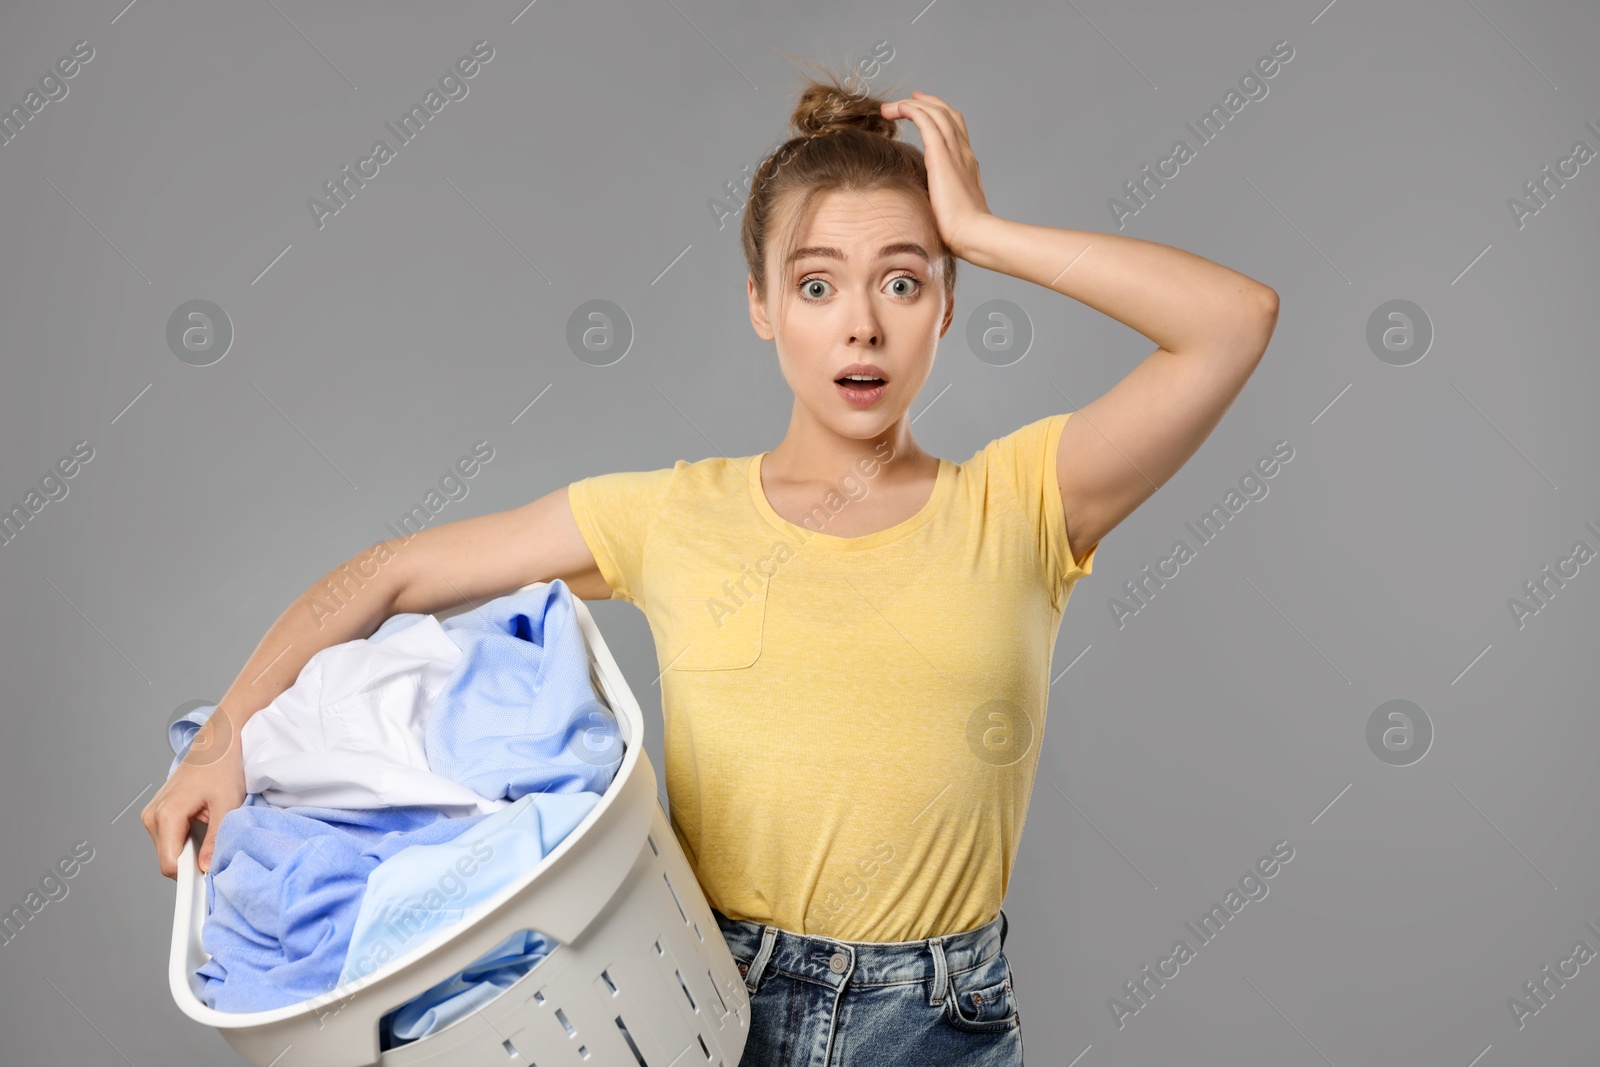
857 291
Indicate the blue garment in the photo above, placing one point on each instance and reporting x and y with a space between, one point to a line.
455 998
425 888
519 714
286 887
288 848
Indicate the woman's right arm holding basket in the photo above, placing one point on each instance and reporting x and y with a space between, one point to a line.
434 570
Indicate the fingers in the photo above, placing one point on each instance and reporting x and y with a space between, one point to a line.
208 844
202 791
960 122
171 829
953 137
150 816
937 133
167 818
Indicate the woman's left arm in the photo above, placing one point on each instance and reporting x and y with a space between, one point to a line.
1211 326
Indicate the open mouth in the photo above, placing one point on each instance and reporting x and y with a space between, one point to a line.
861 391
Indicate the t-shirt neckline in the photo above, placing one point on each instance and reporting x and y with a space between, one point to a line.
758 496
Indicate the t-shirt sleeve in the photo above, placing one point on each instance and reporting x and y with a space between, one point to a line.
614 513
1026 460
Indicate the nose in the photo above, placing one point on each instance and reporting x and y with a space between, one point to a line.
866 330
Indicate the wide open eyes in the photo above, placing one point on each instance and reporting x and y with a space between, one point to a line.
905 286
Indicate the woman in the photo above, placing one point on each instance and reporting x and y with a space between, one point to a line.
855 636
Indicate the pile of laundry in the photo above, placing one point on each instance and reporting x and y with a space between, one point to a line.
401 782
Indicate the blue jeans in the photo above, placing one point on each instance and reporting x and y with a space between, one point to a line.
816 1002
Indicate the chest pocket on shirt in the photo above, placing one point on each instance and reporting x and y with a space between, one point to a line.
712 630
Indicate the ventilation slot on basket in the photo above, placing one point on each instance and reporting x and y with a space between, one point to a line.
530 973
675 899
605 976
652 841
631 1045
721 1004
703 1048
685 987
561 1017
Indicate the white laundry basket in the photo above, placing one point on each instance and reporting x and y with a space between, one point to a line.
640 973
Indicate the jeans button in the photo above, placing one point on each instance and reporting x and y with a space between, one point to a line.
744 968
838 962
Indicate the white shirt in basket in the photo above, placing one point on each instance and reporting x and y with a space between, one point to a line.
349 732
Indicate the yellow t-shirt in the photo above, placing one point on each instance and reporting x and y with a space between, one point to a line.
852 723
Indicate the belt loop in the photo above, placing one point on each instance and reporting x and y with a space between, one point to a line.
941 972
769 936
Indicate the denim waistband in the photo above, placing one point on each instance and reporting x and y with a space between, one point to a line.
832 962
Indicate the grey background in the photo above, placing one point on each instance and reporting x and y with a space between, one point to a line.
429 313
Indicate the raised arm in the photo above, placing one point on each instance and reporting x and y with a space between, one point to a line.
437 568
1211 326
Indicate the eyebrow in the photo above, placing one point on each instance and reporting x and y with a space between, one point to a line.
828 252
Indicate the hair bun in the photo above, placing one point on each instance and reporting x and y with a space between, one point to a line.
830 108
